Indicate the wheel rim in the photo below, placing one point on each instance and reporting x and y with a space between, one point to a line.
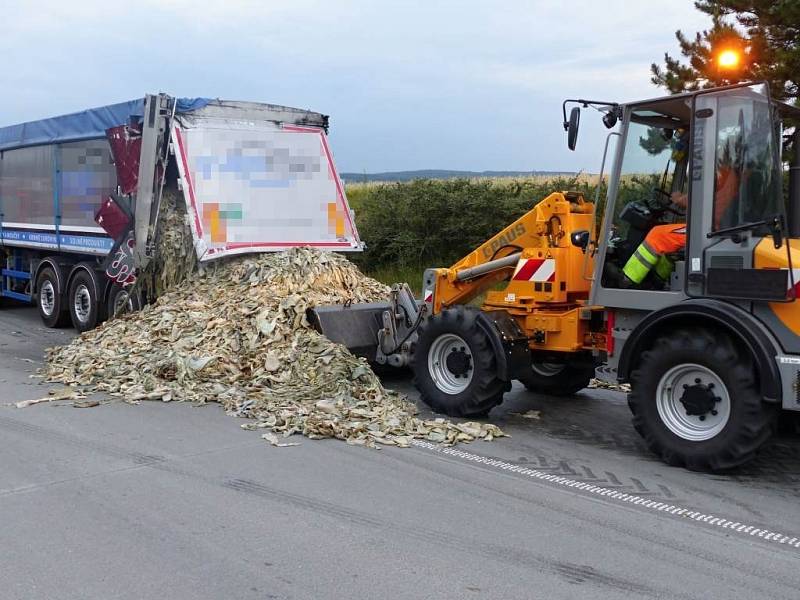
122 304
450 363
693 402
82 303
47 298
547 369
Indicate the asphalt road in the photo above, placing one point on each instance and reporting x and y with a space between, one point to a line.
176 501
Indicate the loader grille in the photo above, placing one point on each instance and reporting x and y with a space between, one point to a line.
797 387
727 262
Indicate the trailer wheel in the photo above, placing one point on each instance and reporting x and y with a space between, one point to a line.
454 366
558 378
121 302
695 400
49 298
84 300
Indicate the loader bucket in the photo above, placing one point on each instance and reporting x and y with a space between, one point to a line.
355 326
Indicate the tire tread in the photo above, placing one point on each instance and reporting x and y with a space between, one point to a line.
489 389
753 419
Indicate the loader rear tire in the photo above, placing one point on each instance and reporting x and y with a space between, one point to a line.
696 402
558 378
455 369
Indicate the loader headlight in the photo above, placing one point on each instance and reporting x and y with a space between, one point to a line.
610 118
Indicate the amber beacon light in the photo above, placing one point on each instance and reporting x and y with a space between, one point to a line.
728 59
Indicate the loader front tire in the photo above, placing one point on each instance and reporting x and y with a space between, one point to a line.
455 369
696 402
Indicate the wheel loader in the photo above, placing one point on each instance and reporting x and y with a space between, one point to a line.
709 341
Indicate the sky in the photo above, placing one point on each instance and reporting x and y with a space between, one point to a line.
467 85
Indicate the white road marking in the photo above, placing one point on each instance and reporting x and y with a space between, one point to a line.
736 526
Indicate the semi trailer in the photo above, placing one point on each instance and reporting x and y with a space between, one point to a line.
80 195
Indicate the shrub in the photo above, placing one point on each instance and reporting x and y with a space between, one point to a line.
427 222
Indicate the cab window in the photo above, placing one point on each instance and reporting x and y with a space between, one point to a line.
747 183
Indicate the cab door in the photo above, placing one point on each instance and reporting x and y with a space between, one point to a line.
736 193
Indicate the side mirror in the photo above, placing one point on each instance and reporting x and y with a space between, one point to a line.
572 128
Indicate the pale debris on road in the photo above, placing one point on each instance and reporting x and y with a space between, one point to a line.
236 333
52 396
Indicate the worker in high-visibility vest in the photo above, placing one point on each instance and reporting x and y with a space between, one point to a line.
651 254
662 240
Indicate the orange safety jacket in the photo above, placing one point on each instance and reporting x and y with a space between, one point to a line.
670 238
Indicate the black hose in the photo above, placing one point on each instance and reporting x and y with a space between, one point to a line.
514 246
423 309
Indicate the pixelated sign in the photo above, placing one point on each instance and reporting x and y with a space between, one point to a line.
261 187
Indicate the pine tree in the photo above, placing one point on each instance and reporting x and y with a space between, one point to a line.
766 34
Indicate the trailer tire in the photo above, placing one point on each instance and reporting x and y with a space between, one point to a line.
83 300
558 378
49 298
455 369
696 402
121 302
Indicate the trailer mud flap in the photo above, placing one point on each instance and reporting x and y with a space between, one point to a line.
509 342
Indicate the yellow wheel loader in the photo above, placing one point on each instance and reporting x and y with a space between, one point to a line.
707 331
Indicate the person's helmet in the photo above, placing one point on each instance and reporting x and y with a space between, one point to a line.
680 144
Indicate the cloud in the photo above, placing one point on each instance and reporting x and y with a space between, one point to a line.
408 84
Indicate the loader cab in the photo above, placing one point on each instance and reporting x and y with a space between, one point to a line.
720 150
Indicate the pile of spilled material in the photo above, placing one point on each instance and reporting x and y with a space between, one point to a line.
236 333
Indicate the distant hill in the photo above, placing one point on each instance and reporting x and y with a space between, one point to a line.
442 174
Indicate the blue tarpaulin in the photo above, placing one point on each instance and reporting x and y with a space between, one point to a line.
184 105
85 125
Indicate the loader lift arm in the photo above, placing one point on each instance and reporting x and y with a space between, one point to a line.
543 230
385 333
